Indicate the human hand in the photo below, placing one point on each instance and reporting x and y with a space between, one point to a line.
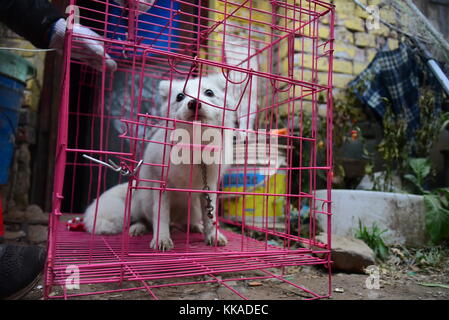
142 5
85 49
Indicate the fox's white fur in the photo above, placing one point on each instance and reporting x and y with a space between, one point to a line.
110 213
160 208
241 52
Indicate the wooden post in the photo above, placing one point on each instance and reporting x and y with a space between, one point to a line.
47 126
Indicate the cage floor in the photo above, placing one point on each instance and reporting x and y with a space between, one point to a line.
116 258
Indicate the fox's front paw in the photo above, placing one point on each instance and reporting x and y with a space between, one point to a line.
163 243
137 229
216 238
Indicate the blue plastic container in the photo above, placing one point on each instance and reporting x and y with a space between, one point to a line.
11 92
14 70
155 28
238 179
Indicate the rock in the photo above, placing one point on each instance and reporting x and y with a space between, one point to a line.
349 254
255 283
14 235
34 208
15 215
35 213
37 233
22 174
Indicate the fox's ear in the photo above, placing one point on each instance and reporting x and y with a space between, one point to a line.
218 79
164 88
232 81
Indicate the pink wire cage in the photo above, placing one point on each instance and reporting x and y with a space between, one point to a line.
275 58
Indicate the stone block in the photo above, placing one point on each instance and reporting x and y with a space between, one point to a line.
343 35
343 66
363 40
393 44
359 67
402 215
355 24
345 51
341 81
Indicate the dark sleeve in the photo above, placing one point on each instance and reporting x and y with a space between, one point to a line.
30 19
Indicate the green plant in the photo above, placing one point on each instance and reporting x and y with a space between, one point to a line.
444 120
431 123
373 238
436 201
430 257
437 214
393 149
302 149
421 168
347 113
397 145
300 219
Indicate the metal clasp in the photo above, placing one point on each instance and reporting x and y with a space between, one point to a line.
123 170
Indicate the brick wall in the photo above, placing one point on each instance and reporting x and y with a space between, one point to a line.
355 45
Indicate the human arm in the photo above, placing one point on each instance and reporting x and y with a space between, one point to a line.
44 26
31 19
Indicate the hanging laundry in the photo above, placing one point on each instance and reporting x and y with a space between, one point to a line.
395 77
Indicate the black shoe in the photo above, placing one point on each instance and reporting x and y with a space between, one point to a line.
20 269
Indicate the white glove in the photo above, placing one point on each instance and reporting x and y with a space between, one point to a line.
87 50
142 5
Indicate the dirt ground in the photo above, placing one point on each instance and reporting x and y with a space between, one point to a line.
394 285
409 274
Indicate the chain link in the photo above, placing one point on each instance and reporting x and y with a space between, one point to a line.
209 207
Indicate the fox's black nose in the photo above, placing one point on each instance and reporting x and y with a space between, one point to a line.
194 105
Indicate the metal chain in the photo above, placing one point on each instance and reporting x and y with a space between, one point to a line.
209 207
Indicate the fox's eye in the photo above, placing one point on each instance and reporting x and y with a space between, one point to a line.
180 97
209 93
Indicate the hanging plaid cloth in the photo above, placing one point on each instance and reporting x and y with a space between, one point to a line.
394 77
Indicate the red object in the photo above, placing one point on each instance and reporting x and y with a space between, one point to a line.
354 134
76 224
